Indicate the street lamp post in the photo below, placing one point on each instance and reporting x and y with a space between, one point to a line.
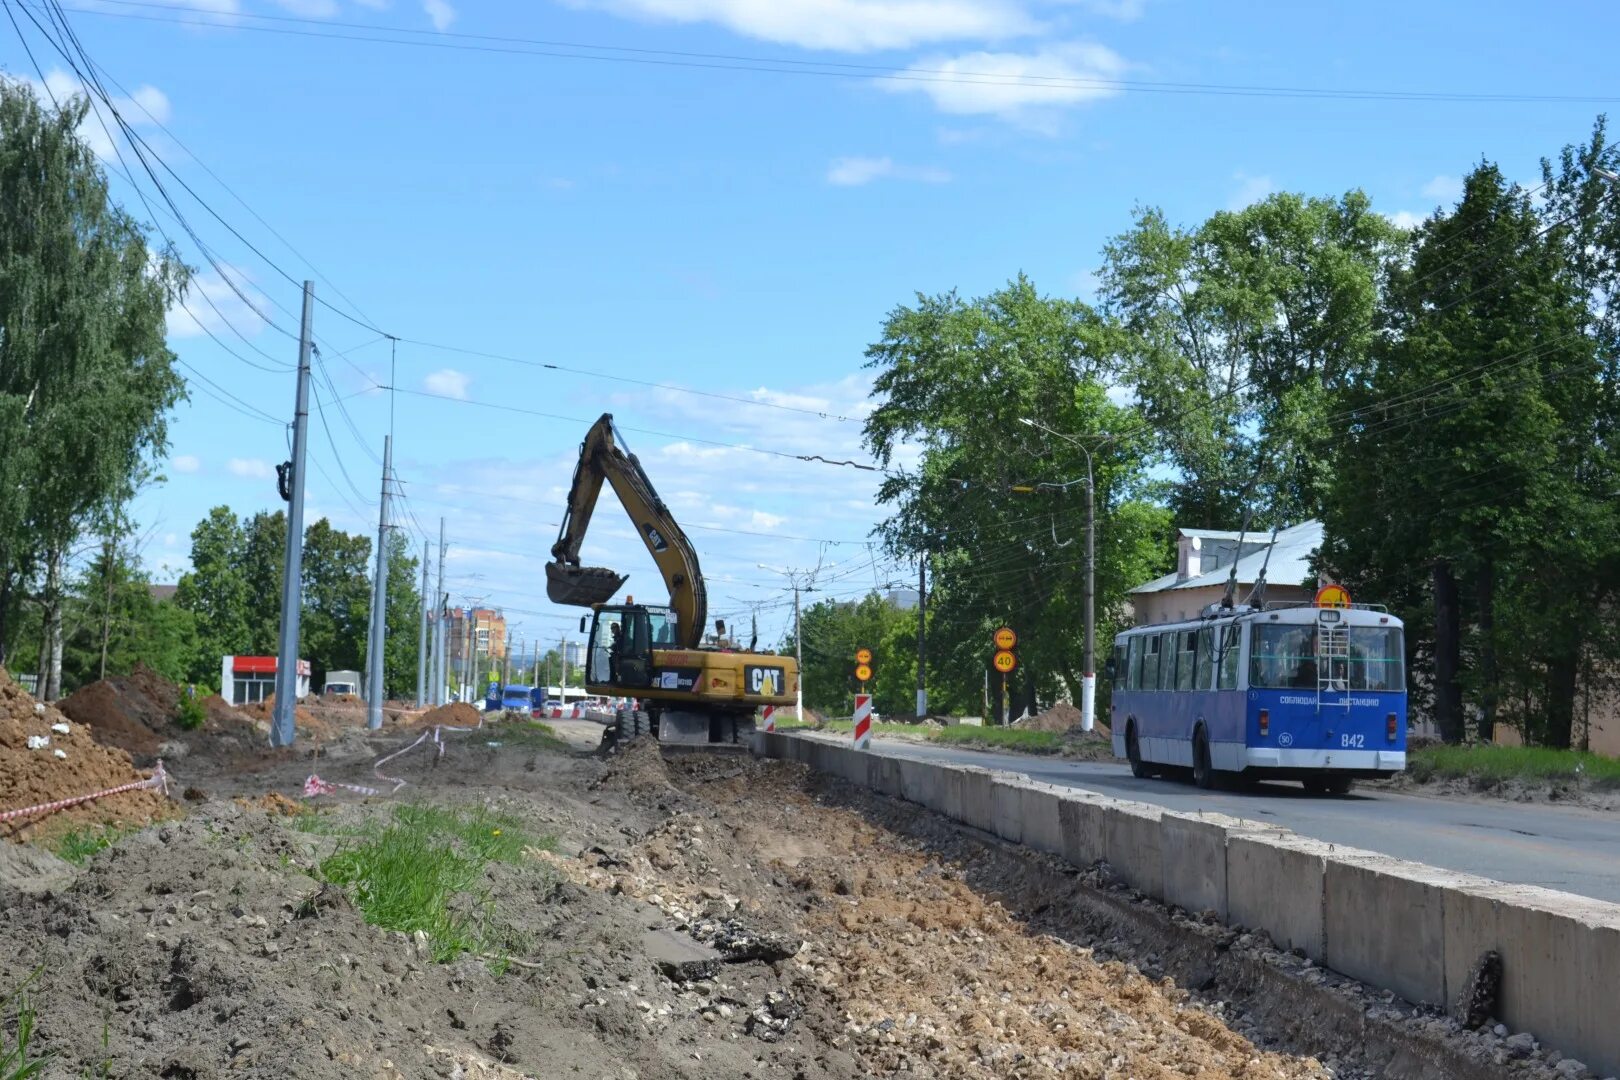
1088 676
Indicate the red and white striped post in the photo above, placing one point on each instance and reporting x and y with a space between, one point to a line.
770 718
863 721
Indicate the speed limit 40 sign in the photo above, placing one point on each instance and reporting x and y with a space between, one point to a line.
1004 661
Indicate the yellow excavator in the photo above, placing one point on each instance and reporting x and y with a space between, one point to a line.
687 690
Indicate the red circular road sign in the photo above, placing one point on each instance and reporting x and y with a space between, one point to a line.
1004 661
1005 639
863 656
1333 596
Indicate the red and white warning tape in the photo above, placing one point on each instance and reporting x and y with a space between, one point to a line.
158 780
316 786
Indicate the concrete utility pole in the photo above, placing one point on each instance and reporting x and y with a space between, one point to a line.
379 600
439 678
1088 674
422 638
282 731
922 636
563 696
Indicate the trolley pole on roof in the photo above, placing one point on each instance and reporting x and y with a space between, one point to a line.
282 731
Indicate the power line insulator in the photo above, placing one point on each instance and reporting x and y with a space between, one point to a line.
284 474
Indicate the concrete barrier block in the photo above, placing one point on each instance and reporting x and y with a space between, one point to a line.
1042 828
1274 882
884 776
1080 818
1193 849
952 792
1560 964
921 783
1007 809
1383 923
977 800
1131 845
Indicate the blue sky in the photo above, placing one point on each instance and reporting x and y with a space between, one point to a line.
650 216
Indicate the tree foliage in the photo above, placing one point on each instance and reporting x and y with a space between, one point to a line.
86 379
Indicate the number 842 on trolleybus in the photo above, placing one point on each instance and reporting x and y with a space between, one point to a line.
1301 692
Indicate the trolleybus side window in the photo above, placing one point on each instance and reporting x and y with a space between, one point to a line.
1167 660
1150 661
1206 653
1116 669
1231 650
1133 680
1186 658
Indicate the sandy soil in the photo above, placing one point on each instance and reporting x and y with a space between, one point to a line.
699 915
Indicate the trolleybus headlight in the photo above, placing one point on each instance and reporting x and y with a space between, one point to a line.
1265 722
1389 727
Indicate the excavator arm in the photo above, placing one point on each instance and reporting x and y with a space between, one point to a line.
603 457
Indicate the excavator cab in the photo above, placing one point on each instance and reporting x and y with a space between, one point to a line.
621 644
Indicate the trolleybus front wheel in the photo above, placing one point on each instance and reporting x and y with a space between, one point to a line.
1133 750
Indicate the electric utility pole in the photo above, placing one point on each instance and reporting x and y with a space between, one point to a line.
379 599
282 731
439 617
922 636
422 638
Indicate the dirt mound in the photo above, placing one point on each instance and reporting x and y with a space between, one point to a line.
1060 718
263 711
638 766
63 764
455 714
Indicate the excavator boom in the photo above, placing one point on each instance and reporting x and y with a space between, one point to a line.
603 456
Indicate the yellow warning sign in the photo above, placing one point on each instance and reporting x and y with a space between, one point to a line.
1004 661
863 656
1005 639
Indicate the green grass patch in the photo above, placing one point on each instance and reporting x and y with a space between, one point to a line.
17 1058
1001 738
424 871
529 735
77 846
1498 764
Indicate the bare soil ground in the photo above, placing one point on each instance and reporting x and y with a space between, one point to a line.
701 915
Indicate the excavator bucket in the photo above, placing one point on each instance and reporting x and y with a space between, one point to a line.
581 586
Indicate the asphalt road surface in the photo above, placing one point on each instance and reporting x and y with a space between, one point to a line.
1556 847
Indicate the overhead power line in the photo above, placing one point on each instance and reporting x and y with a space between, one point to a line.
294 26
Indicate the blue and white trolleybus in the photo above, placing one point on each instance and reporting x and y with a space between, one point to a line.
1286 691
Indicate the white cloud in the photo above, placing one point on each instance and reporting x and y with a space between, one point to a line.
1405 219
251 468
1250 190
1444 188
212 306
440 13
1123 10
310 9
1026 88
843 25
185 463
146 107
449 382
855 171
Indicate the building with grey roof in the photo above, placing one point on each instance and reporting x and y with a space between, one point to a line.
1204 559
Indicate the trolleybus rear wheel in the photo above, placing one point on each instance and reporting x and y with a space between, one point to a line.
1203 770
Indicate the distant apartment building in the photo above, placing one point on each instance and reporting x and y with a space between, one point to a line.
474 636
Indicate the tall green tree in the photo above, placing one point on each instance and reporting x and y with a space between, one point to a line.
215 591
1237 338
337 597
1474 419
974 389
263 554
402 617
86 378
